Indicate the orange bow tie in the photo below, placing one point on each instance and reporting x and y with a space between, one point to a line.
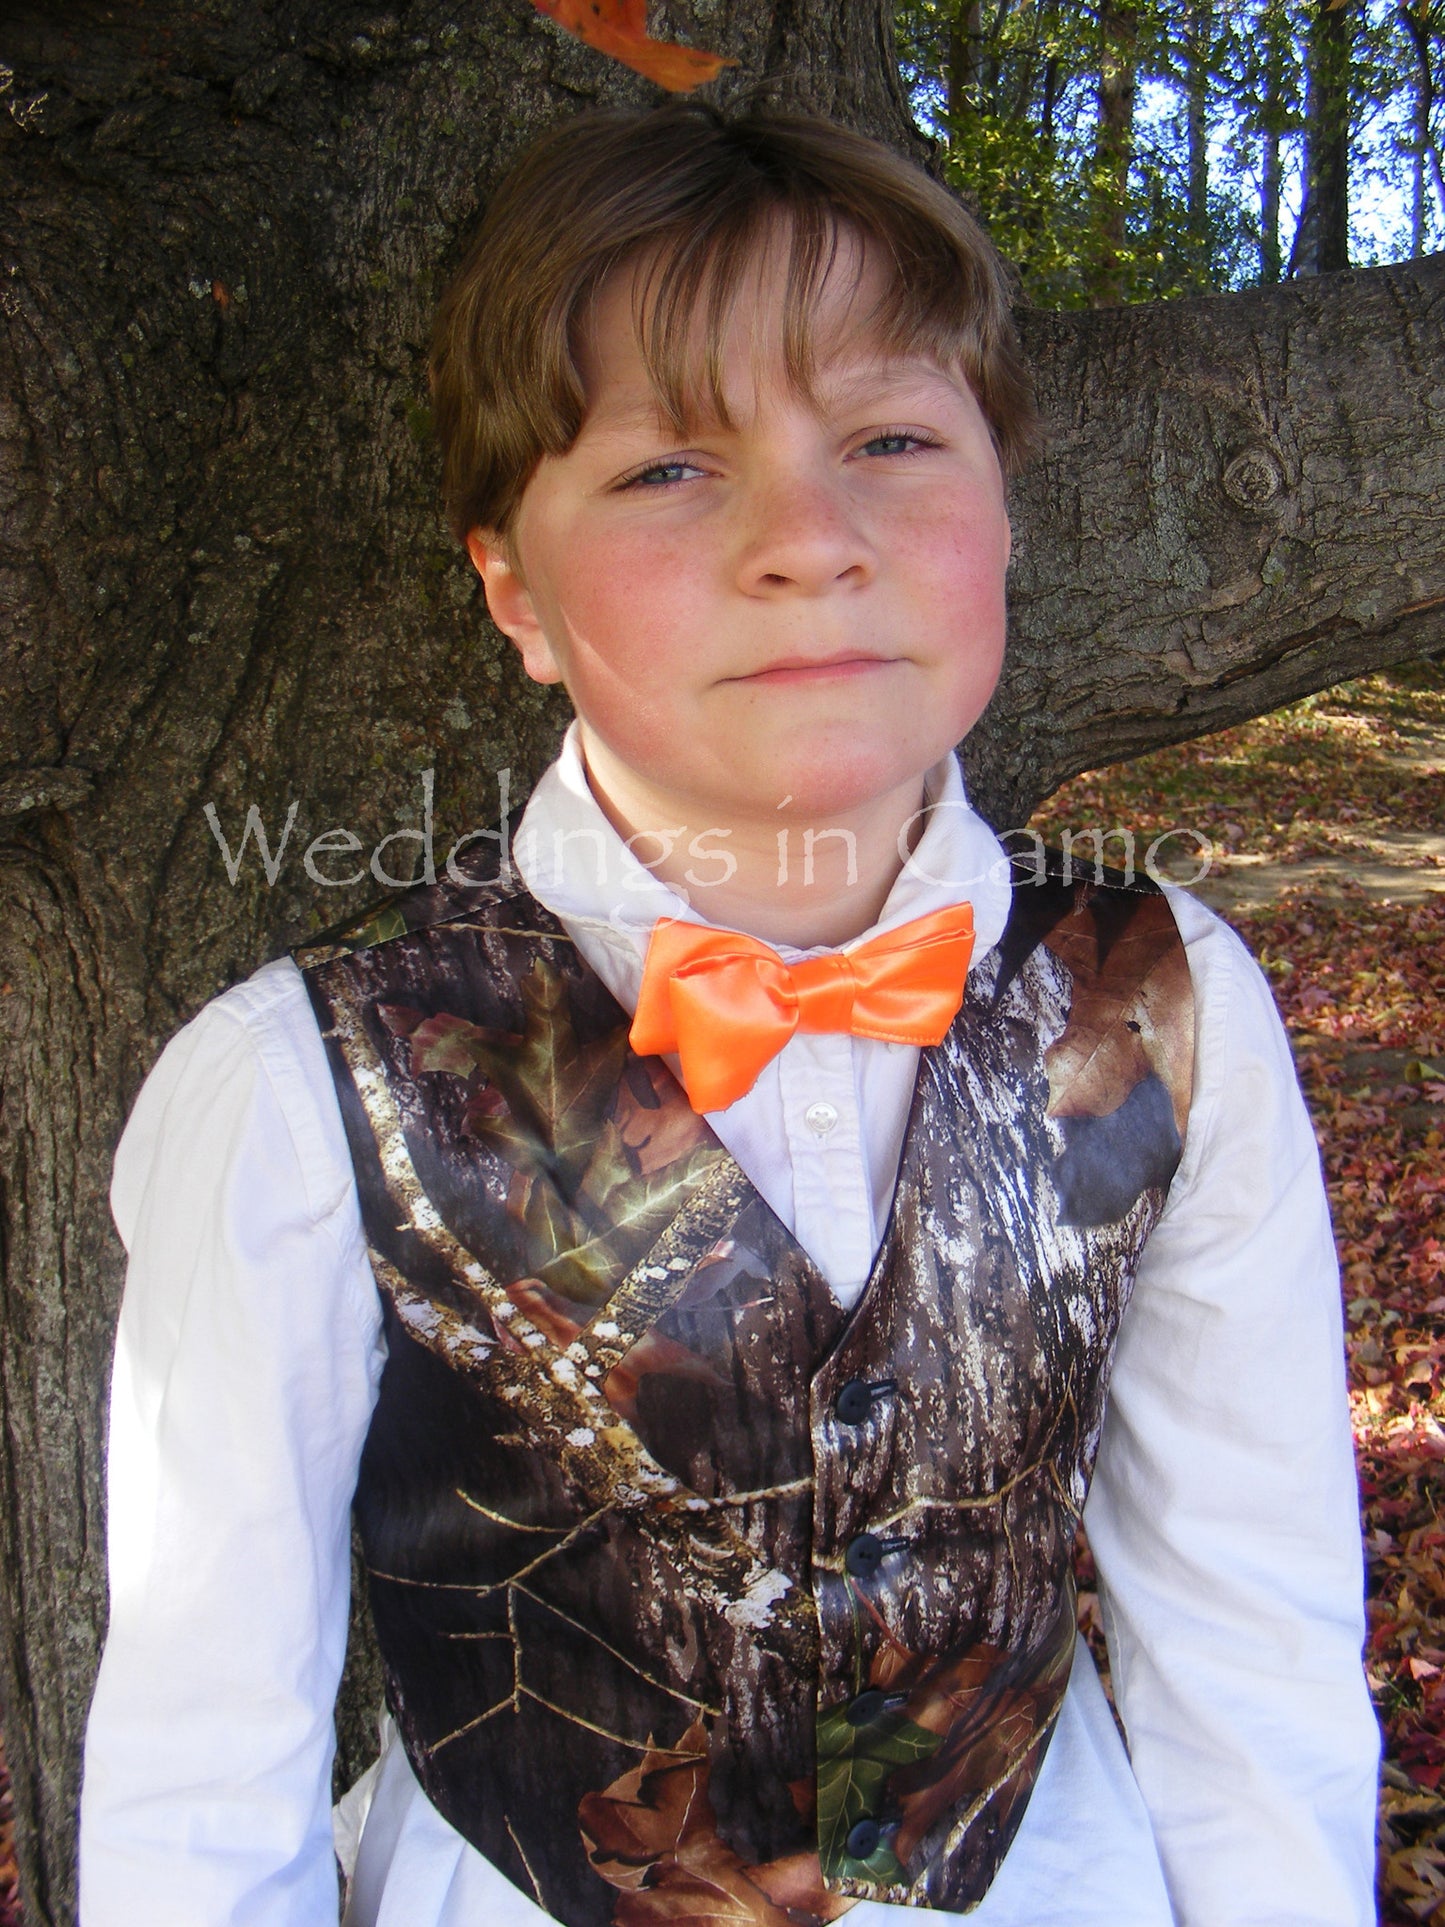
727 1003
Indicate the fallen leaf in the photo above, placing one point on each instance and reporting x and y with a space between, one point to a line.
448 1043
654 1351
987 1708
663 1130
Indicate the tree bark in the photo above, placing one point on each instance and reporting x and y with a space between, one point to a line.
1241 502
224 582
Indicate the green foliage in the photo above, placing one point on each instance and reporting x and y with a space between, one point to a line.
1196 183
855 1764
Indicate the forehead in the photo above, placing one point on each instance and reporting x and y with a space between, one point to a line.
838 348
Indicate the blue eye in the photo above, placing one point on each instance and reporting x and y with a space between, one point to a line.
916 442
640 479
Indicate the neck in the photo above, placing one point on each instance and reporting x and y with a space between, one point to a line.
784 879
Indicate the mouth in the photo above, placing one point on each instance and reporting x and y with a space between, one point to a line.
846 663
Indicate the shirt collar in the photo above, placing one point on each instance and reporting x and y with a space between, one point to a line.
574 862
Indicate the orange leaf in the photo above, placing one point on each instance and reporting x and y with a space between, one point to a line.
653 1352
954 1692
618 28
548 1312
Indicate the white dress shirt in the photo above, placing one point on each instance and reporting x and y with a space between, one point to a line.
1222 1515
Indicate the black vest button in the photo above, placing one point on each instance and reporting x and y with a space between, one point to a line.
854 1401
867 1552
864 1555
867 1707
862 1841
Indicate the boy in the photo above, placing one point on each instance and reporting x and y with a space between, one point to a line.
714 1241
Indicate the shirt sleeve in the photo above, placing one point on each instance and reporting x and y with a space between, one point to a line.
247 1358
1224 1511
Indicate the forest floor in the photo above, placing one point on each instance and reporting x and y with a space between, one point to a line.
1329 823
1329 820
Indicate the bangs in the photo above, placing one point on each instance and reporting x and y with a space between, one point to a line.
703 277
699 277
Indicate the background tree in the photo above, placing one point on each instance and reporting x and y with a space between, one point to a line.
1266 80
1322 240
226 596
1424 149
1130 150
1118 64
1198 69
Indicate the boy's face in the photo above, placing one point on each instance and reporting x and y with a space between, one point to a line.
808 606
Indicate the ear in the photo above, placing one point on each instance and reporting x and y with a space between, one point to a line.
510 602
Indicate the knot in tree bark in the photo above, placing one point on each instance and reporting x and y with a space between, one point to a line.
1254 478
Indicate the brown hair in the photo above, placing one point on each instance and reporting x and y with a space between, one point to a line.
695 194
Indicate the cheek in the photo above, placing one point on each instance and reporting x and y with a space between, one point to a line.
954 569
631 609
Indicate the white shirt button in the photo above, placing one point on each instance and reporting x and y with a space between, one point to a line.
820 1118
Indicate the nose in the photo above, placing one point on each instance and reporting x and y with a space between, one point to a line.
802 536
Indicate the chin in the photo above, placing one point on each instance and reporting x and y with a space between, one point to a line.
840 784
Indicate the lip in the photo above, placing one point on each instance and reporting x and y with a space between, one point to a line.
846 663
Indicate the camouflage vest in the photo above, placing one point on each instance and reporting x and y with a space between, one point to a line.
700 1597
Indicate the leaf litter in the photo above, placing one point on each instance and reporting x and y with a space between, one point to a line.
1355 775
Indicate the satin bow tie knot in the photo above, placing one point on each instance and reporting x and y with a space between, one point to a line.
727 1003
825 991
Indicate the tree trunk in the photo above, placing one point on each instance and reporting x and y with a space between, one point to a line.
1322 245
1050 104
1272 114
1113 145
1199 38
965 59
1270 260
224 583
1417 26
